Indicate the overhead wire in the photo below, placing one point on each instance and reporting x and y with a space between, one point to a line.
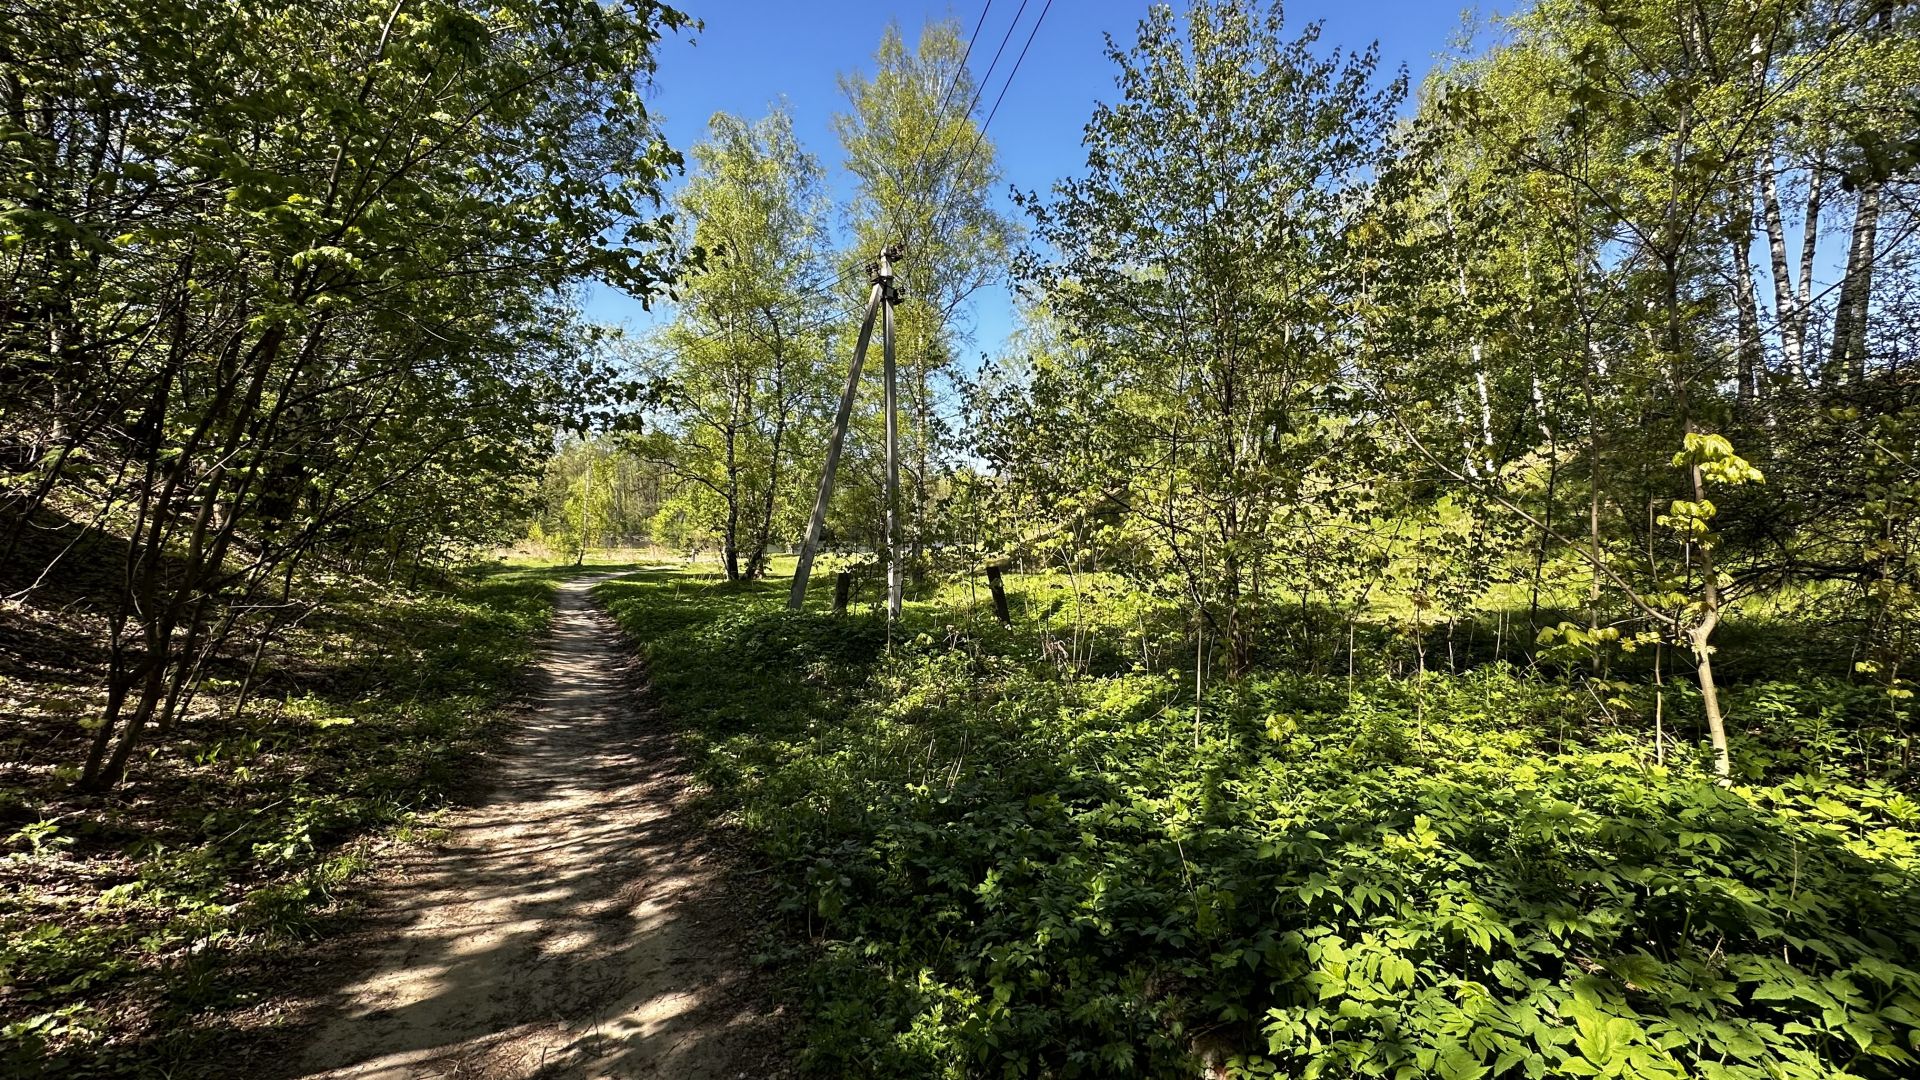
973 103
941 118
954 79
981 134
987 76
814 291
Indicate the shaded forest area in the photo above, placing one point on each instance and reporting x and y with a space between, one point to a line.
1429 589
287 301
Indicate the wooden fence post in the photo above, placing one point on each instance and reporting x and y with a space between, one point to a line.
999 590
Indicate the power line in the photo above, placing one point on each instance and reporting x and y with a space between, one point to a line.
938 202
981 134
987 76
953 81
974 102
940 114
941 119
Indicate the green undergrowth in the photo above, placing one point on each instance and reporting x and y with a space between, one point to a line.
133 925
990 863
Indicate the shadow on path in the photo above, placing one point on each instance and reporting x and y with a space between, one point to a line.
572 925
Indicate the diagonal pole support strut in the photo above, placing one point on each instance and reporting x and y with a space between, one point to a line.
882 295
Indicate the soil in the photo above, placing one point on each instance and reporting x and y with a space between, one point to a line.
576 922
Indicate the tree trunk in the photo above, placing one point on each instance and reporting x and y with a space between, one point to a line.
1700 638
1849 357
763 534
119 682
1809 241
1784 309
150 695
730 538
586 494
1751 357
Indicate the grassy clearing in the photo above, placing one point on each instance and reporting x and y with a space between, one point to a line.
1024 852
132 926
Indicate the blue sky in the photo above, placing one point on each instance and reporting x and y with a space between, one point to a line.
752 52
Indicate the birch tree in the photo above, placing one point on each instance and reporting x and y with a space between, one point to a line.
924 178
745 375
1638 147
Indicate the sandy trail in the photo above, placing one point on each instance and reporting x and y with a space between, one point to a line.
572 926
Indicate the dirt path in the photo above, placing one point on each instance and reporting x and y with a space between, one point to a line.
572 926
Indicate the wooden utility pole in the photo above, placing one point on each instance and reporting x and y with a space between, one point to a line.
881 298
893 447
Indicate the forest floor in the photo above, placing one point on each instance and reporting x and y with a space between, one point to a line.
575 921
1025 848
